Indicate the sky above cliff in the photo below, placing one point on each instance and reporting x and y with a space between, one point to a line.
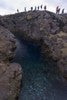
10 6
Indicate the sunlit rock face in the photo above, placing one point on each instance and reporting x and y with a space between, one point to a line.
10 73
47 29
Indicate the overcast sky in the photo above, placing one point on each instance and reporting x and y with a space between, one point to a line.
10 6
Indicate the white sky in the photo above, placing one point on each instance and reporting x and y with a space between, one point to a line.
10 6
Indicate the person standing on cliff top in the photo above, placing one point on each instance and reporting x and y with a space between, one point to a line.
41 6
31 8
38 7
57 10
35 8
45 7
25 9
62 11
17 10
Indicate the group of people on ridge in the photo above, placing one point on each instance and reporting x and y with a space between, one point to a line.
41 7
36 8
58 10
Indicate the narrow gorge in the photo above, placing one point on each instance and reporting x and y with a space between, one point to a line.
37 55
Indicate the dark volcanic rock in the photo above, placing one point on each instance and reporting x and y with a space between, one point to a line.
7 44
33 24
10 73
10 78
47 29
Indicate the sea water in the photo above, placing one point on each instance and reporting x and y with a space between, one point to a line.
40 79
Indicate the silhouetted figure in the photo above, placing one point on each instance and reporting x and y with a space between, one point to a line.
31 8
35 8
45 8
38 7
25 9
17 10
57 10
41 6
62 11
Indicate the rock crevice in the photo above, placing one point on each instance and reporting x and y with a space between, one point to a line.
47 29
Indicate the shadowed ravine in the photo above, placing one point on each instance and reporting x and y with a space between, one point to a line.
40 78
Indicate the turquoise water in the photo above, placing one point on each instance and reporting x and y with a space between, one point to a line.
40 78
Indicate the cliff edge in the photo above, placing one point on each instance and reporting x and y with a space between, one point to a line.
47 29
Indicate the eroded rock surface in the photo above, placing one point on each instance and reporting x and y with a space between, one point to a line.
56 47
47 29
7 44
10 73
10 78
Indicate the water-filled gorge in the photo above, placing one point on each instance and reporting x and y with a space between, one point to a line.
40 79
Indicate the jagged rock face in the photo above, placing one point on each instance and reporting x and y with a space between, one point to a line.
7 44
10 73
33 24
48 29
63 18
56 47
10 77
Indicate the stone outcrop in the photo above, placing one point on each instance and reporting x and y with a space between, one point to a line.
7 44
47 29
10 78
56 47
10 73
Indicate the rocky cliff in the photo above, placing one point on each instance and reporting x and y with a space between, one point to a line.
47 29
10 73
